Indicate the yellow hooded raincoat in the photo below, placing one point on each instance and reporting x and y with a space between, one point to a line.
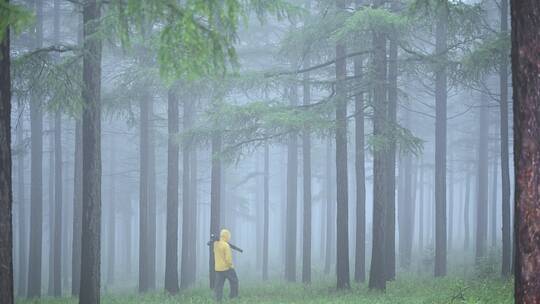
222 252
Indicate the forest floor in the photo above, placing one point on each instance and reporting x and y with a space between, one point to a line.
404 290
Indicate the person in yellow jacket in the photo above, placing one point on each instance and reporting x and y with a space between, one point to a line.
223 266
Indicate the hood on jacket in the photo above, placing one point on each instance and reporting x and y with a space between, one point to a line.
225 235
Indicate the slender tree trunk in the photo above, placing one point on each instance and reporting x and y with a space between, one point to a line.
421 212
215 199
330 217
111 234
6 198
525 71
193 215
51 203
36 192
451 205
266 211
152 207
377 275
466 210
23 225
440 143
292 197
505 166
493 209
77 212
57 272
171 256
144 223
91 144
306 158
482 181
342 206
360 170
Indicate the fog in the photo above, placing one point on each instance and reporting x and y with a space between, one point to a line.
359 142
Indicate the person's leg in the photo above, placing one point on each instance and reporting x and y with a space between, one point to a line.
233 282
219 282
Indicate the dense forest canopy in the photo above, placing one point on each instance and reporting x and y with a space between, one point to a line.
358 144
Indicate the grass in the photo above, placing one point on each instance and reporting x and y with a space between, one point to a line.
405 290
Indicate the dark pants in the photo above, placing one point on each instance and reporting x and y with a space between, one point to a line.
221 276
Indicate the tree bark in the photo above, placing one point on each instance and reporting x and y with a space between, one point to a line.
493 209
505 166
440 142
466 210
171 255
342 199
330 210
292 197
377 275
6 197
306 158
91 146
36 192
23 225
266 211
482 181
144 223
111 235
525 71
57 274
77 212
360 170
215 199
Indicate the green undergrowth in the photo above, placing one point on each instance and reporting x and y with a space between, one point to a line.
404 290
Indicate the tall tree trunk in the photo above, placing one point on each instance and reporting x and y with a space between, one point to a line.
188 222
57 272
451 204
23 225
51 206
144 223
330 210
111 234
390 225
466 210
193 216
266 211
6 198
91 144
482 181
421 213
505 166
493 209
215 199
360 171
342 199
77 212
171 255
306 158
152 207
292 197
440 141
525 71
36 192
377 275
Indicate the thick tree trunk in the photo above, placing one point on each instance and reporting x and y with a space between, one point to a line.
57 272
36 192
360 170
266 211
23 213
215 199
482 181
6 198
306 158
91 169
525 71
77 212
292 197
390 225
505 166
342 206
187 275
377 275
171 255
440 143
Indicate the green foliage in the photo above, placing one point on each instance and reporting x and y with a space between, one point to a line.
485 57
369 19
14 16
196 37
406 290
